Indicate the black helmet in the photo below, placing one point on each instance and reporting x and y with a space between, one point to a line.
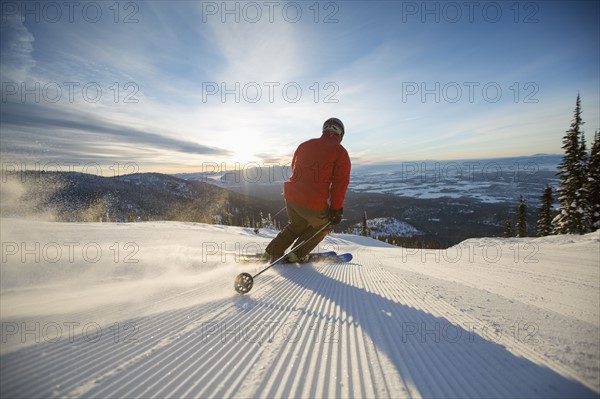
334 125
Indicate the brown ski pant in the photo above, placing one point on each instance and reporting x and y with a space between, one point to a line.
303 224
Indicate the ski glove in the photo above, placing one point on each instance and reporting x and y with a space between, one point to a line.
335 217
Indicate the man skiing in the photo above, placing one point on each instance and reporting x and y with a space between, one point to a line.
314 194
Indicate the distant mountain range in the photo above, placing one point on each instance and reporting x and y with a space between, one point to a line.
441 202
497 180
78 197
446 201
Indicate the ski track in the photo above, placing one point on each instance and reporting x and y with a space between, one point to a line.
323 330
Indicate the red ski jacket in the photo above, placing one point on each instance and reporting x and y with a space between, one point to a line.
320 174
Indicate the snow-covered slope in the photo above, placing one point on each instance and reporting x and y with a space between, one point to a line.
149 310
385 227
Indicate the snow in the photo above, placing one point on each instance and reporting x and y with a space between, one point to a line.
149 310
383 227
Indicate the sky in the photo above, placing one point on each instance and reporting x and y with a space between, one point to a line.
187 86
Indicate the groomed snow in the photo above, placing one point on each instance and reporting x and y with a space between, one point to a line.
149 310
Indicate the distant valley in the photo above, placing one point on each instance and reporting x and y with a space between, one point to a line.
446 201
429 203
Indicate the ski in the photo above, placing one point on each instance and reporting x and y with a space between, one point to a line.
328 256
314 255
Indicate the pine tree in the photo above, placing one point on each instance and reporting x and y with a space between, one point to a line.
594 182
522 218
261 220
573 213
508 230
365 232
544 222
266 221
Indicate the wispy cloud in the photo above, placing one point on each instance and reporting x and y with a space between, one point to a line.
85 138
16 47
208 90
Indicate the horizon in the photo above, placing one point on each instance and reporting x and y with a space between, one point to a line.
240 83
118 170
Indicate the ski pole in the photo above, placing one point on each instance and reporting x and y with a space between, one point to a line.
281 210
244 281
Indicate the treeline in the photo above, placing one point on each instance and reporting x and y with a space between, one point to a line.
578 195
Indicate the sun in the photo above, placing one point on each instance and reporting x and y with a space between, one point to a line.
245 148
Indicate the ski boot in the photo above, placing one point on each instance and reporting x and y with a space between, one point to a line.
293 258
